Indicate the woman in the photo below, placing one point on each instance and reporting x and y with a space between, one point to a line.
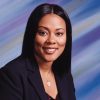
43 71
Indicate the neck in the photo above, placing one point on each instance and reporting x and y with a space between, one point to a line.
45 67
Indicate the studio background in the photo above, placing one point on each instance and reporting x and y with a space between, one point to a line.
85 19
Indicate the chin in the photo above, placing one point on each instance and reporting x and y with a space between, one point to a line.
50 59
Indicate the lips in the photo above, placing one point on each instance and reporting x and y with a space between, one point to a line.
49 50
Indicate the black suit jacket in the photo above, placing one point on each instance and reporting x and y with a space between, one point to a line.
20 80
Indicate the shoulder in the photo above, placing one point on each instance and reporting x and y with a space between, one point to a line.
15 66
18 67
11 76
15 70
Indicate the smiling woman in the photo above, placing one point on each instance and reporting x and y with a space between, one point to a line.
50 38
43 70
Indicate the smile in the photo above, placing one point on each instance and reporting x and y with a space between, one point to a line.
49 50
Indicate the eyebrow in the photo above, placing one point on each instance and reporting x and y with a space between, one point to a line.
48 29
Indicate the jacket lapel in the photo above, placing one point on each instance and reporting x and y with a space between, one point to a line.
65 87
62 88
35 80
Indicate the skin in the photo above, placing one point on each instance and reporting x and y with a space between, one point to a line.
50 38
49 44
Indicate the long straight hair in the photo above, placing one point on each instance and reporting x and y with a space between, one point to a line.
63 63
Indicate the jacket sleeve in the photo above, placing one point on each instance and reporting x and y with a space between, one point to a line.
10 85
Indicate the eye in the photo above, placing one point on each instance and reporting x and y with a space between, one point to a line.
42 33
59 33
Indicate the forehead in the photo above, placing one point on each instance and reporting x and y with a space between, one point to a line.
53 20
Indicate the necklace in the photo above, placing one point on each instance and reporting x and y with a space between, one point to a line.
48 82
46 79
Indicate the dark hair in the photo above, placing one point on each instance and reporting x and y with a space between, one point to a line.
63 63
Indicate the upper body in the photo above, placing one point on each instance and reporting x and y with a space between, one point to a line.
21 80
44 67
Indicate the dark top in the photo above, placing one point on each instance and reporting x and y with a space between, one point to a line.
20 80
50 98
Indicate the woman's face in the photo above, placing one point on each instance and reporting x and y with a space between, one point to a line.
50 38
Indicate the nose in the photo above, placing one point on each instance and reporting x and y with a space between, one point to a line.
51 39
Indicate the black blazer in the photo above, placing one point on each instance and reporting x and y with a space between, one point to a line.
20 80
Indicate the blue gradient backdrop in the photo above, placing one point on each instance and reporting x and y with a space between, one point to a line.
85 18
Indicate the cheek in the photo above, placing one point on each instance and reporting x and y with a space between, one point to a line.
62 41
38 42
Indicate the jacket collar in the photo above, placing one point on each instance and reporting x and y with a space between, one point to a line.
36 82
62 87
66 87
35 78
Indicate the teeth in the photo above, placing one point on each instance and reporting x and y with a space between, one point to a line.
49 50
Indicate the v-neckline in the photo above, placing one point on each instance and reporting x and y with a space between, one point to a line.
56 85
51 96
